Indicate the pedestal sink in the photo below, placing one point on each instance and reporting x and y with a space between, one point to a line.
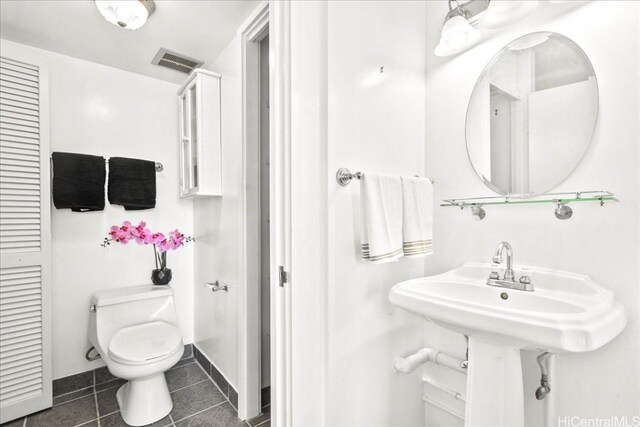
565 313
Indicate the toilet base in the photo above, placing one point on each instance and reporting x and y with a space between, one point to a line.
144 401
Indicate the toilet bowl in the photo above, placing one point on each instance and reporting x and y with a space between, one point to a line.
135 330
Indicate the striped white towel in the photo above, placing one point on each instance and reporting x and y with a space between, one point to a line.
417 217
381 198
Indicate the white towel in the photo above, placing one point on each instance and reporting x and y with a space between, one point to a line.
381 198
417 216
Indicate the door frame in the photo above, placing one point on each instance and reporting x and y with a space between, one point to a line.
251 33
299 181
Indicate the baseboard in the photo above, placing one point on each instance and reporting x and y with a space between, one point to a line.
227 389
210 368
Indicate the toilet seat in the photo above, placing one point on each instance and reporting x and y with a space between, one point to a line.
145 343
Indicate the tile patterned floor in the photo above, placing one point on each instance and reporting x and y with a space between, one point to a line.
197 402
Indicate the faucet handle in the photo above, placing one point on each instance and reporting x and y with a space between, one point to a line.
494 275
525 280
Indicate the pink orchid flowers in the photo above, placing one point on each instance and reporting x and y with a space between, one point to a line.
143 236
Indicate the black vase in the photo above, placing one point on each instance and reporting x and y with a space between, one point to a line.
161 276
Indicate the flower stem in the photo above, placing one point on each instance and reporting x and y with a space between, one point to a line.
155 255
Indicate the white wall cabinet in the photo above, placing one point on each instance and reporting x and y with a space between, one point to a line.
200 135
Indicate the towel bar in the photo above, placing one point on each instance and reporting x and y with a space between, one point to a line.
158 165
344 176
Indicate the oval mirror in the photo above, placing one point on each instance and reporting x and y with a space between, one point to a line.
532 114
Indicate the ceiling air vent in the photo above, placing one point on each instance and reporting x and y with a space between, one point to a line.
175 61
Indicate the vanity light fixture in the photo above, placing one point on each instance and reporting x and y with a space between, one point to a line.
457 32
129 14
501 13
460 30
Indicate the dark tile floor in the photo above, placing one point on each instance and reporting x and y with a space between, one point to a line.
197 402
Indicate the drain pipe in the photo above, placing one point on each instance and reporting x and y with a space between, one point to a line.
424 355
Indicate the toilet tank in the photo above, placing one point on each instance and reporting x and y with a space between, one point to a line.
114 309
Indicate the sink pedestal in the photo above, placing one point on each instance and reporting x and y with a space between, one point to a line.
494 385
567 313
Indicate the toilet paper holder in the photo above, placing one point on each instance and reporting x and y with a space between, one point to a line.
216 286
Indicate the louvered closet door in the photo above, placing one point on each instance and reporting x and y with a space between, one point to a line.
25 322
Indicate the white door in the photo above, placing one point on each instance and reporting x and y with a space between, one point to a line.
25 243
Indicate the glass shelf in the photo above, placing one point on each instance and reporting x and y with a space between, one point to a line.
561 200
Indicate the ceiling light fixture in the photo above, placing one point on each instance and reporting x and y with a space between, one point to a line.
502 12
129 14
457 32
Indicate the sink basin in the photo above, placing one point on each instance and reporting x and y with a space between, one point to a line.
566 312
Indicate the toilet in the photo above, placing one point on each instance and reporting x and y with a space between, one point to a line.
135 330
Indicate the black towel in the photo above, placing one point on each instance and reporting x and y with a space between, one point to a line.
132 183
78 182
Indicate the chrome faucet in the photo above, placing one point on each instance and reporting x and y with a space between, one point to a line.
497 258
509 279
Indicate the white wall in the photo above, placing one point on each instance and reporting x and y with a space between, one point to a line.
376 124
95 109
346 113
599 242
216 223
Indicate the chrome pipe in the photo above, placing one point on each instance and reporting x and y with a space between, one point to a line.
544 389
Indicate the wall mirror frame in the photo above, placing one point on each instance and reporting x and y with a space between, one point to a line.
532 114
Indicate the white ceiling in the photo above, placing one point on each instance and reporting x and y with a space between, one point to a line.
198 29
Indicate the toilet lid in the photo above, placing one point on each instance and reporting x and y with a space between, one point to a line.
145 342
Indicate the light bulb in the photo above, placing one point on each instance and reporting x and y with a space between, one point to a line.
457 35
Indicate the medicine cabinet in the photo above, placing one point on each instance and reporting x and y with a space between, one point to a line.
200 136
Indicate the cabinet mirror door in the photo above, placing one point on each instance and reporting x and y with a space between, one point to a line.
193 137
184 144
